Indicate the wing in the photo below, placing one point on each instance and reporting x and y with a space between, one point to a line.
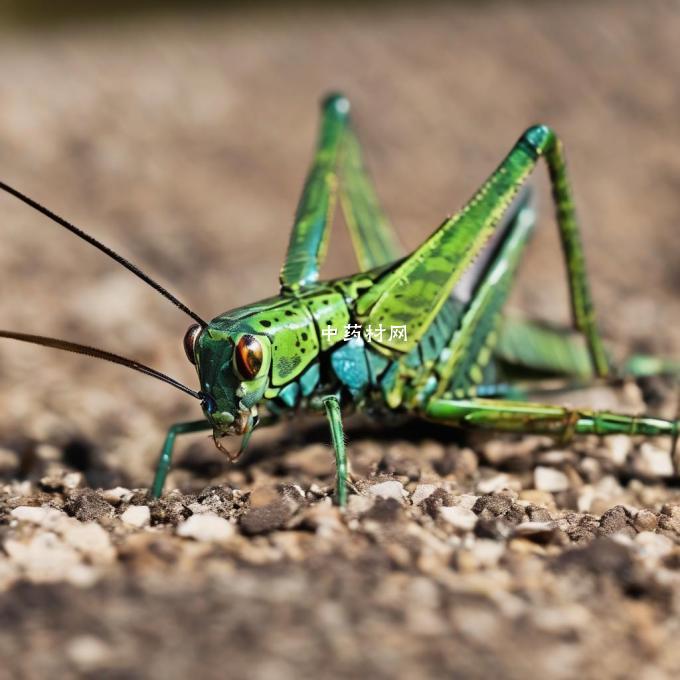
412 294
542 347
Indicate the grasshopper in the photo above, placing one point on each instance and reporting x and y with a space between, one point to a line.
423 334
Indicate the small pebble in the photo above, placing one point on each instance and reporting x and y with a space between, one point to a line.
584 501
206 527
137 516
87 505
542 498
669 518
45 558
422 492
541 532
654 546
358 504
90 540
262 519
389 489
61 480
263 496
459 517
550 479
88 652
556 457
616 520
618 447
385 510
116 495
498 483
492 505
645 520
653 461
538 514
465 500
42 516
487 552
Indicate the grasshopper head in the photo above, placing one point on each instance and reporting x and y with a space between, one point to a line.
233 368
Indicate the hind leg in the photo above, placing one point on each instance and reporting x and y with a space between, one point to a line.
531 418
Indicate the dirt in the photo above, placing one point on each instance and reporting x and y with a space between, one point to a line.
182 141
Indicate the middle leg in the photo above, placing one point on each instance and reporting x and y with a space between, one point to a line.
334 415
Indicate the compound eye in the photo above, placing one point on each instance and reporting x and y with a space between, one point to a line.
248 357
190 339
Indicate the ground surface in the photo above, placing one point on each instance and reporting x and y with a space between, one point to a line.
183 142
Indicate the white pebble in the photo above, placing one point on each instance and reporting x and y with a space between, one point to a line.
459 517
44 559
88 652
90 539
498 483
389 489
357 504
487 553
535 528
549 479
43 516
465 500
619 446
73 480
422 492
206 527
654 461
653 545
586 496
116 495
137 516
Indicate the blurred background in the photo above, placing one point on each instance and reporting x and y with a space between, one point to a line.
180 135
181 138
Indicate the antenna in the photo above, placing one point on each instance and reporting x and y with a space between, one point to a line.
99 354
104 249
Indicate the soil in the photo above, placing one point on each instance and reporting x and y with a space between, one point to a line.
182 141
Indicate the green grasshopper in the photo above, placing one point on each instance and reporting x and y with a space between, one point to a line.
423 334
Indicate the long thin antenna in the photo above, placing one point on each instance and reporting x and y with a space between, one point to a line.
99 354
104 249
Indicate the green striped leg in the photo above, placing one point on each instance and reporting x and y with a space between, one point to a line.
374 240
337 168
415 290
165 459
334 415
547 144
530 418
